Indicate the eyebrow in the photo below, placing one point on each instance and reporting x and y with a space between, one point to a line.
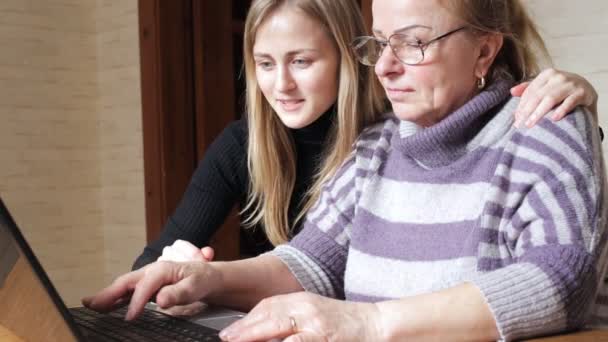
290 53
405 28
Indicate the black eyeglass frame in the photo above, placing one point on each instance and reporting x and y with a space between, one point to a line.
384 42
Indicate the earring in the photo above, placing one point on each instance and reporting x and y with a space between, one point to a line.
481 82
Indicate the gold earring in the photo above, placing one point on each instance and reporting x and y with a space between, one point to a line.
481 82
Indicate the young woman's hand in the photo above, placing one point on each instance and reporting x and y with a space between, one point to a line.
552 89
182 251
304 316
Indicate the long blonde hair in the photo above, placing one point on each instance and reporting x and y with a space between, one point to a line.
271 151
523 48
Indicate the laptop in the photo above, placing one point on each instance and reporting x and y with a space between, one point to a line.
32 309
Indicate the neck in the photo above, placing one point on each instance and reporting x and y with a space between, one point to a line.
317 131
451 138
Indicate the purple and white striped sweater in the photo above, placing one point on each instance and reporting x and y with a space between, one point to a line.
518 213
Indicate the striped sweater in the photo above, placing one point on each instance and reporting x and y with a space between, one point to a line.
518 213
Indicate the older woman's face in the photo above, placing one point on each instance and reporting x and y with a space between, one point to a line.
445 80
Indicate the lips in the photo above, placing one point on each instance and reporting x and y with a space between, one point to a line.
399 90
395 93
290 104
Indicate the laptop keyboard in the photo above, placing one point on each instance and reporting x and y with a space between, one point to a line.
149 326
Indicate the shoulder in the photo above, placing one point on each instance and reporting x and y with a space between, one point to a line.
373 145
232 139
227 154
573 142
378 134
237 129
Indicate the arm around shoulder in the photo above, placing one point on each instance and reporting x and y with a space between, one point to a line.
546 266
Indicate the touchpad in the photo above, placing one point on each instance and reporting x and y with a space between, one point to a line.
218 323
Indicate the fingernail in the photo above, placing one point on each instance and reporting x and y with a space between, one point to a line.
226 334
517 123
531 119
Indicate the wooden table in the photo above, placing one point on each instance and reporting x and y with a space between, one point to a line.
581 336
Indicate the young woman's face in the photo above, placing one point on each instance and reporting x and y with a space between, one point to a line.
296 66
445 79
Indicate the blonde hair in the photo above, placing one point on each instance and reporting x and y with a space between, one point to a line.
271 152
516 59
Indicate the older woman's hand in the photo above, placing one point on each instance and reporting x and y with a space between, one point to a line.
173 283
182 251
305 316
552 89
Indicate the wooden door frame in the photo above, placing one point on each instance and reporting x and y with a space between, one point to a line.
167 106
187 99
366 10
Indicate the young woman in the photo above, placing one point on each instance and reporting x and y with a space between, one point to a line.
307 100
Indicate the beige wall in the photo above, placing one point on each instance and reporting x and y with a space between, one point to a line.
120 134
70 135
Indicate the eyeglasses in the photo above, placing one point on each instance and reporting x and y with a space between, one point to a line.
409 51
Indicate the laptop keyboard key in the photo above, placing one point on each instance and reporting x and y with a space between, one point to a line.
150 326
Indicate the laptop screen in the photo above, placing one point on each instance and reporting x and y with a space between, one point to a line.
30 306
32 309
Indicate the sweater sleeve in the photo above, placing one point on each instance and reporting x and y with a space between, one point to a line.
219 181
553 226
317 255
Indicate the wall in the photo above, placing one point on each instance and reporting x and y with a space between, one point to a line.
70 139
120 132
576 33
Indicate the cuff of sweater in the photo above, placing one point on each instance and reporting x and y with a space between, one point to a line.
523 300
310 276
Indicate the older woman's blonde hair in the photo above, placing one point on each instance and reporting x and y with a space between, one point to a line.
523 48
271 151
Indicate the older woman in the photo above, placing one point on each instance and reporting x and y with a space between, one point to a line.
445 223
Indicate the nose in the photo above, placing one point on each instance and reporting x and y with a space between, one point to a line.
388 64
284 81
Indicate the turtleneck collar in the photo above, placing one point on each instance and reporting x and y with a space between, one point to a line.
451 138
316 132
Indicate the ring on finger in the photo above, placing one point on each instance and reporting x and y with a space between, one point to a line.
294 326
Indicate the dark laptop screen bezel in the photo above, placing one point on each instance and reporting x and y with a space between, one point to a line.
24 247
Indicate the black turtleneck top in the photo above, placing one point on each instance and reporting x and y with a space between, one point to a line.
221 181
